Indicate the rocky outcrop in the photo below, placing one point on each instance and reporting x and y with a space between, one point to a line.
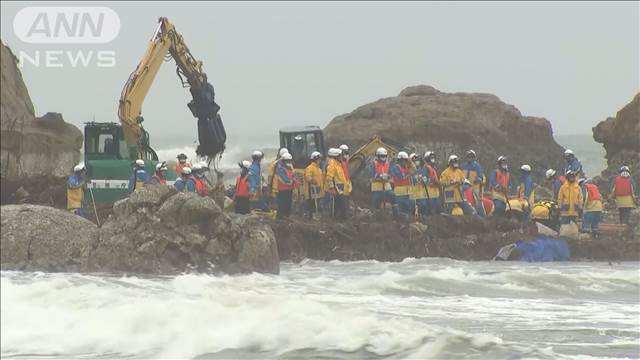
31 147
155 231
620 136
422 118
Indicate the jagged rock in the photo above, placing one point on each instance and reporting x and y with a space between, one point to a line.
422 118
32 148
620 136
40 238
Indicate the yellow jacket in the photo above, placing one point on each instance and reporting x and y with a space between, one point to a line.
335 177
452 192
272 177
313 182
570 199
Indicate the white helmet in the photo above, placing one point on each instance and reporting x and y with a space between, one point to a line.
245 164
471 152
79 167
161 166
186 170
453 158
257 154
344 148
581 181
283 151
381 151
428 154
550 173
315 155
502 158
568 152
287 156
334 152
624 168
140 163
196 167
466 181
413 156
403 155
526 168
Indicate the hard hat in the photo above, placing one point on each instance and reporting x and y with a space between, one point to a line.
161 166
570 173
471 152
245 164
381 151
403 155
550 173
182 156
140 162
287 156
453 158
344 148
502 158
624 168
78 167
568 152
315 155
283 151
186 171
525 167
333 152
466 181
413 156
429 154
257 154
581 181
196 167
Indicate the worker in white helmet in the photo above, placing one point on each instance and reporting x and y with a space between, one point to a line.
624 191
336 185
182 162
160 176
401 173
473 172
186 181
526 190
241 201
286 183
272 178
433 183
500 185
75 189
314 181
452 179
344 160
572 163
556 181
139 176
255 182
380 175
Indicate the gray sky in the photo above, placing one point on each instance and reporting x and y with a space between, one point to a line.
278 64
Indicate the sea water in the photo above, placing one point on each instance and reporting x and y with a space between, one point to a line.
418 308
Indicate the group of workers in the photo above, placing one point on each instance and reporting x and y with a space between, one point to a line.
409 186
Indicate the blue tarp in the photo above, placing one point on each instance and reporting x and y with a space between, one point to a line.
543 249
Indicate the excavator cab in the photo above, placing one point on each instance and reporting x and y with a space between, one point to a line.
301 141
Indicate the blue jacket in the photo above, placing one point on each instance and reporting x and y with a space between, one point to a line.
574 165
467 166
543 249
137 175
189 184
281 172
555 186
395 171
74 181
255 177
527 180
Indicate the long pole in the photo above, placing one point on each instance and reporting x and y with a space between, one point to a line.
95 211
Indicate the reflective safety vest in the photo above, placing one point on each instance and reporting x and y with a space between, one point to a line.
158 180
288 172
401 181
201 187
469 196
434 183
624 192
180 166
242 186
313 182
380 168
502 179
347 175
593 199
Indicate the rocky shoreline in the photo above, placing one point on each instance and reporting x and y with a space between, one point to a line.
160 231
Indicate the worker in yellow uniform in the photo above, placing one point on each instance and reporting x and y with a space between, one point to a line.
452 179
313 185
272 178
570 199
336 183
75 189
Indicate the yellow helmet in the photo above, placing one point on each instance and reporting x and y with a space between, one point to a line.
457 211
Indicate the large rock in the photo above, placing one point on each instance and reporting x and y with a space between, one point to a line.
620 136
31 148
41 238
422 118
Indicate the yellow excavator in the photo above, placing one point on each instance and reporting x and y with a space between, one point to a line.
110 148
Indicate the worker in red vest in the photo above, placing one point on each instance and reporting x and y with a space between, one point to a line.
381 190
160 177
201 187
624 190
592 206
241 201
345 168
286 183
500 184
401 173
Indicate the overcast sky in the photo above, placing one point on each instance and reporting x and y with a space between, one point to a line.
278 64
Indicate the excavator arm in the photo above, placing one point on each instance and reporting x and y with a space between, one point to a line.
359 159
211 132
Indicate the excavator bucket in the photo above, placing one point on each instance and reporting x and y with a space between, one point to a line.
211 133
